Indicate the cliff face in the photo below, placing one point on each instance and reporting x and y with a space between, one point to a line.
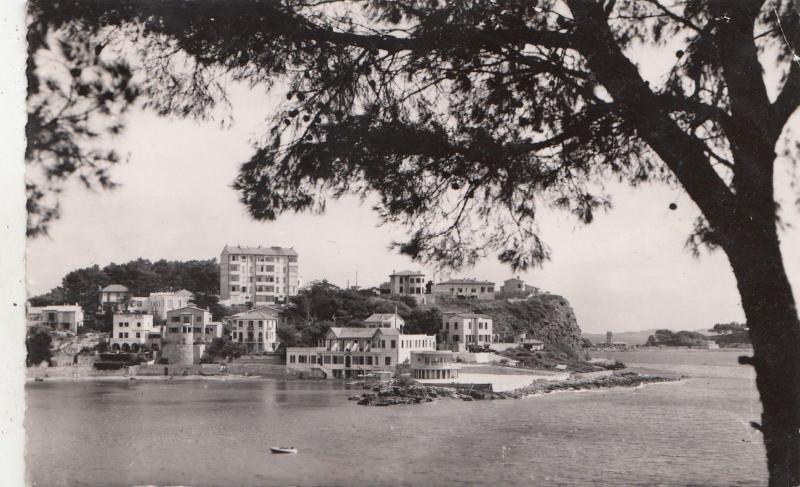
546 317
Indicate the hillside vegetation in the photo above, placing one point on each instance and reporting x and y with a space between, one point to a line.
545 317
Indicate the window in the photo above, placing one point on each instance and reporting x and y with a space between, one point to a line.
394 343
120 334
270 268
173 329
292 259
388 360
234 278
138 324
233 258
175 319
234 288
261 324
326 359
291 359
455 325
126 334
138 335
369 360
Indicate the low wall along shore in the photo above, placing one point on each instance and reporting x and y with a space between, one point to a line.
262 370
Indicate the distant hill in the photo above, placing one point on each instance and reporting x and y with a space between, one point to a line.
635 337
631 337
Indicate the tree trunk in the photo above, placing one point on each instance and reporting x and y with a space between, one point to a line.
775 333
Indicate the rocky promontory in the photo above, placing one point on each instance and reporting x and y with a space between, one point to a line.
407 392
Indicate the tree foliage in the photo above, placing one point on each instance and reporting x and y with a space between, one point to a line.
223 348
142 277
38 344
669 338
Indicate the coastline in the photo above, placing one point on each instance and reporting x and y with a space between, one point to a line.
398 393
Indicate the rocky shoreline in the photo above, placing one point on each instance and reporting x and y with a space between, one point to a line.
396 393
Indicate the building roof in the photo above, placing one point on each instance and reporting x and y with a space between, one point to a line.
184 293
353 332
191 306
382 317
115 288
464 281
389 331
407 273
275 250
55 307
467 315
260 313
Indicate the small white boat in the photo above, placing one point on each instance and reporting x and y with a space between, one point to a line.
283 449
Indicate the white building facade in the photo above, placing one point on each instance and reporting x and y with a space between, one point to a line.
257 329
408 283
130 331
187 332
385 320
465 289
351 351
258 275
63 317
462 330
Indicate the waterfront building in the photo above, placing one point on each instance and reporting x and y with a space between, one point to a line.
257 329
408 283
159 303
130 331
187 332
462 330
465 289
60 317
113 295
434 364
258 275
163 302
139 304
528 342
354 351
516 288
385 320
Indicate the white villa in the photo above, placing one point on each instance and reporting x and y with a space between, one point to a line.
433 365
158 304
461 330
352 351
465 289
130 331
188 331
385 320
257 329
62 317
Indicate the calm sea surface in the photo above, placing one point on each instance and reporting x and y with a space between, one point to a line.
217 433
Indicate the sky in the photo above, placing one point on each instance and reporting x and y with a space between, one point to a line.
627 271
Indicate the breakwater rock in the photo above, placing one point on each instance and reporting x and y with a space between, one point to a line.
395 393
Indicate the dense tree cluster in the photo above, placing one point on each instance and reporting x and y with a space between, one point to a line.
141 276
676 339
38 344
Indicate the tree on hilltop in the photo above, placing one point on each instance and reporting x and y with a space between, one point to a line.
463 118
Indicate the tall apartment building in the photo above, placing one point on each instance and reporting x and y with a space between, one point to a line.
259 275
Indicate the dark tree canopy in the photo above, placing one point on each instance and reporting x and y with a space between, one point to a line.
463 118
459 115
142 277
